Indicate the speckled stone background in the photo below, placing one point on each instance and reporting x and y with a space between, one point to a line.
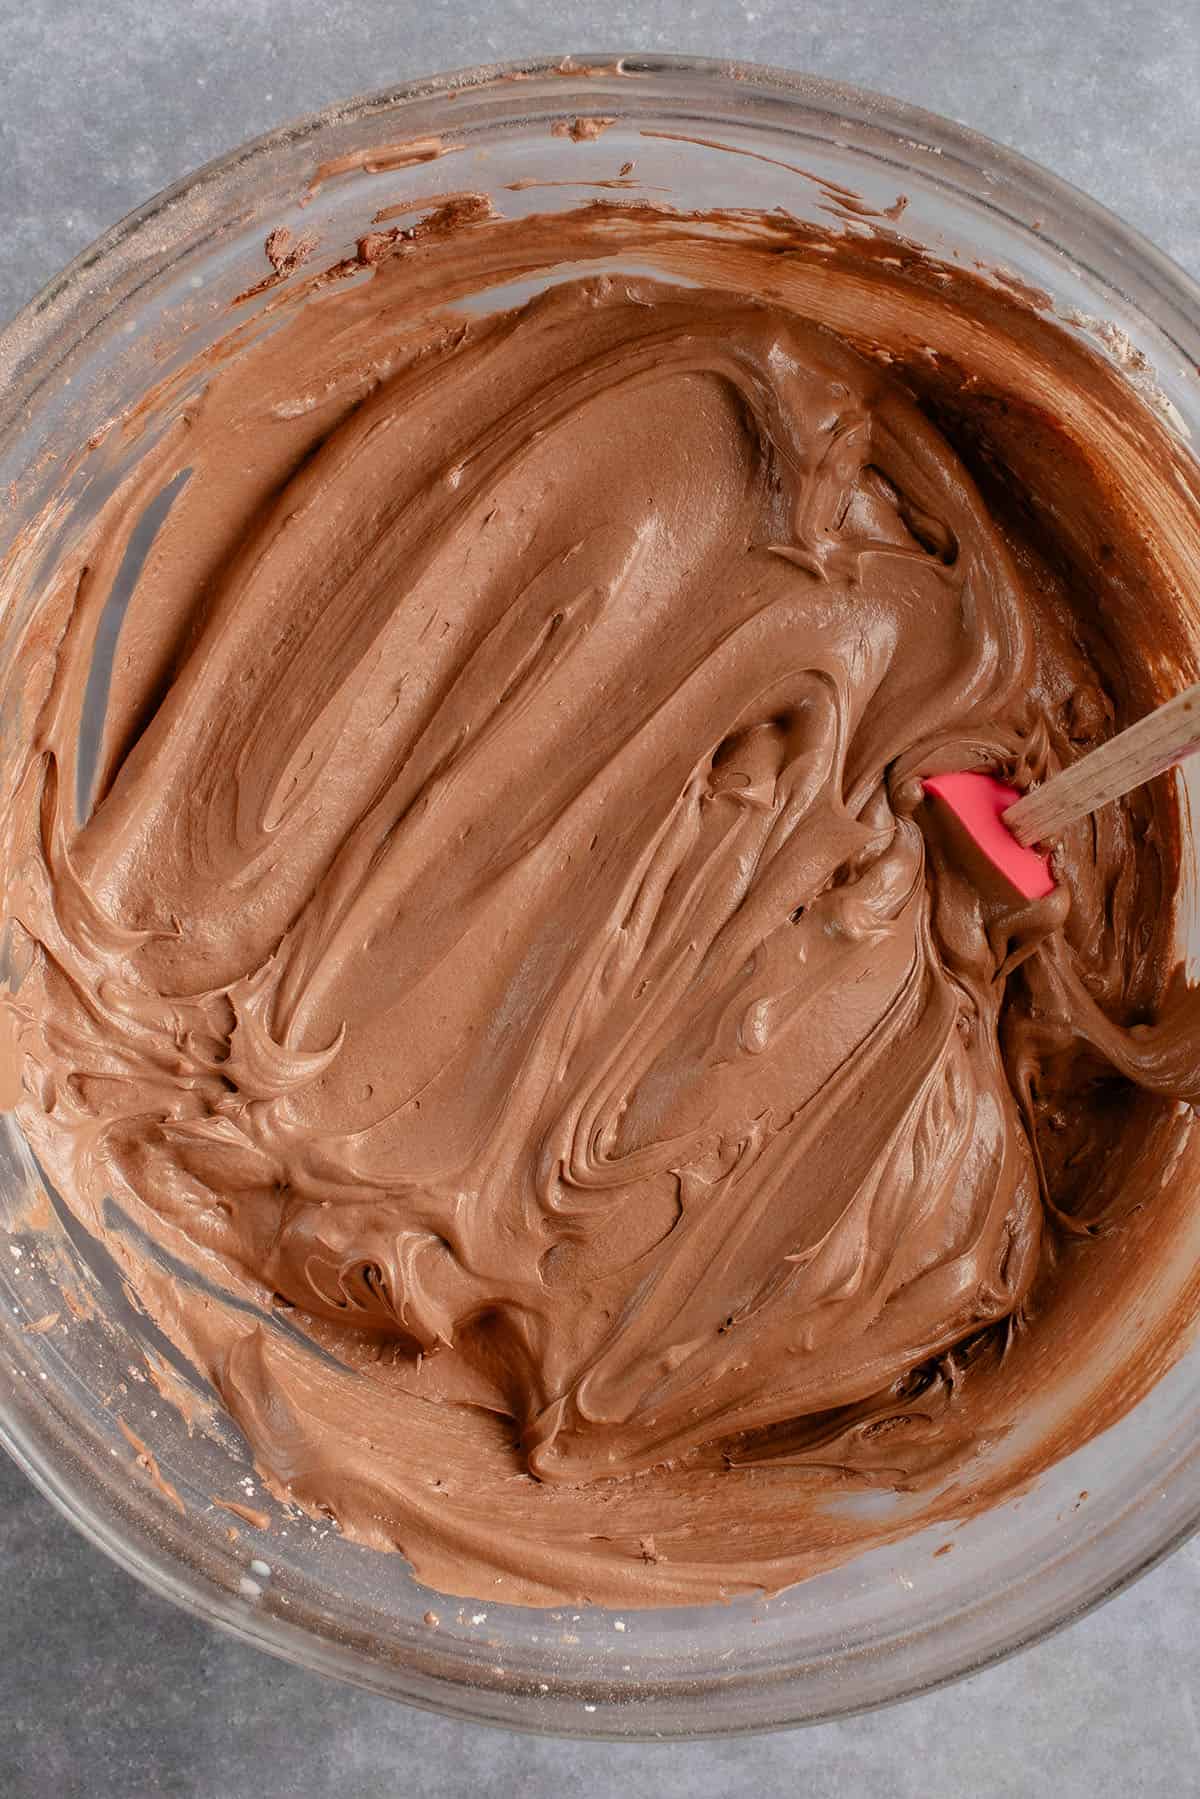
105 1691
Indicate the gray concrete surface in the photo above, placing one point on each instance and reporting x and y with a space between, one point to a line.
105 1691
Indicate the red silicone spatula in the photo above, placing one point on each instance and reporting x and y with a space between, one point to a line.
1007 825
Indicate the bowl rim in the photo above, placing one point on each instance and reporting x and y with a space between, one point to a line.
79 288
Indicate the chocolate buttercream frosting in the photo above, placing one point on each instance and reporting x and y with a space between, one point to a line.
494 980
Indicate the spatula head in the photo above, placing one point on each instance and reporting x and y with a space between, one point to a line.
979 802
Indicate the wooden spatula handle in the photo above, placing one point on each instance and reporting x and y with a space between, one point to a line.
1158 741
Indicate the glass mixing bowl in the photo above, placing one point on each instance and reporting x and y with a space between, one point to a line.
144 300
